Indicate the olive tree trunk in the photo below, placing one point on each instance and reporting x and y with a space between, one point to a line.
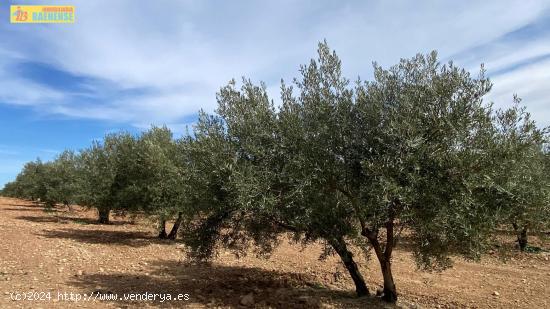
384 257
162 229
522 239
390 291
104 215
346 256
174 232
68 205
521 234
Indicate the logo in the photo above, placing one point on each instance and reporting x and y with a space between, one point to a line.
49 14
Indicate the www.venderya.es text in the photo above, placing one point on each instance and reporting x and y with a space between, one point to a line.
97 296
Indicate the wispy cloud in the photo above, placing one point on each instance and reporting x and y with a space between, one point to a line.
160 62
518 62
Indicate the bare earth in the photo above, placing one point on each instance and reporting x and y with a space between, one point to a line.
66 252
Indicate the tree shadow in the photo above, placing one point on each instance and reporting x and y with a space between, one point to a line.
218 285
33 206
97 236
35 209
64 219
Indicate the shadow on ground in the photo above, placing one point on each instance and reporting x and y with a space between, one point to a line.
35 209
33 206
56 217
97 236
217 285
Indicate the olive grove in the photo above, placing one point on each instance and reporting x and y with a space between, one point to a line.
416 155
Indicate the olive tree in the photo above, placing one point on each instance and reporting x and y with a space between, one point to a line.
62 179
30 182
106 173
271 182
340 163
162 179
520 183
426 134
50 182
10 189
210 159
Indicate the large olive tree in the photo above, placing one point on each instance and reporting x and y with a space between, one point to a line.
423 134
363 162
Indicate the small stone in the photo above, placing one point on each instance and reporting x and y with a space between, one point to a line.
79 273
495 293
247 300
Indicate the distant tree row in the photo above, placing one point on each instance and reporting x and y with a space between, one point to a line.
414 152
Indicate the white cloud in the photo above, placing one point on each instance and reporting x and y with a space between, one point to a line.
185 50
531 84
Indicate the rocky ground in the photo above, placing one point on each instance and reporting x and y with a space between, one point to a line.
47 254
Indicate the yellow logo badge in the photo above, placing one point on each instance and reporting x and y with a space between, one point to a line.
50 14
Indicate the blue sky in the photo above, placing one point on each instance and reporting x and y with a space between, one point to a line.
125 65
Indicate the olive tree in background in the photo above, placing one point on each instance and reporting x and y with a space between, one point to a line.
520 184
106 173
29 183
62 180
50 182
162 181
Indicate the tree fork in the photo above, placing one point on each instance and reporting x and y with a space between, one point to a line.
384 257
175 228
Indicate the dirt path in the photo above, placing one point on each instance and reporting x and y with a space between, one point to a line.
49 254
